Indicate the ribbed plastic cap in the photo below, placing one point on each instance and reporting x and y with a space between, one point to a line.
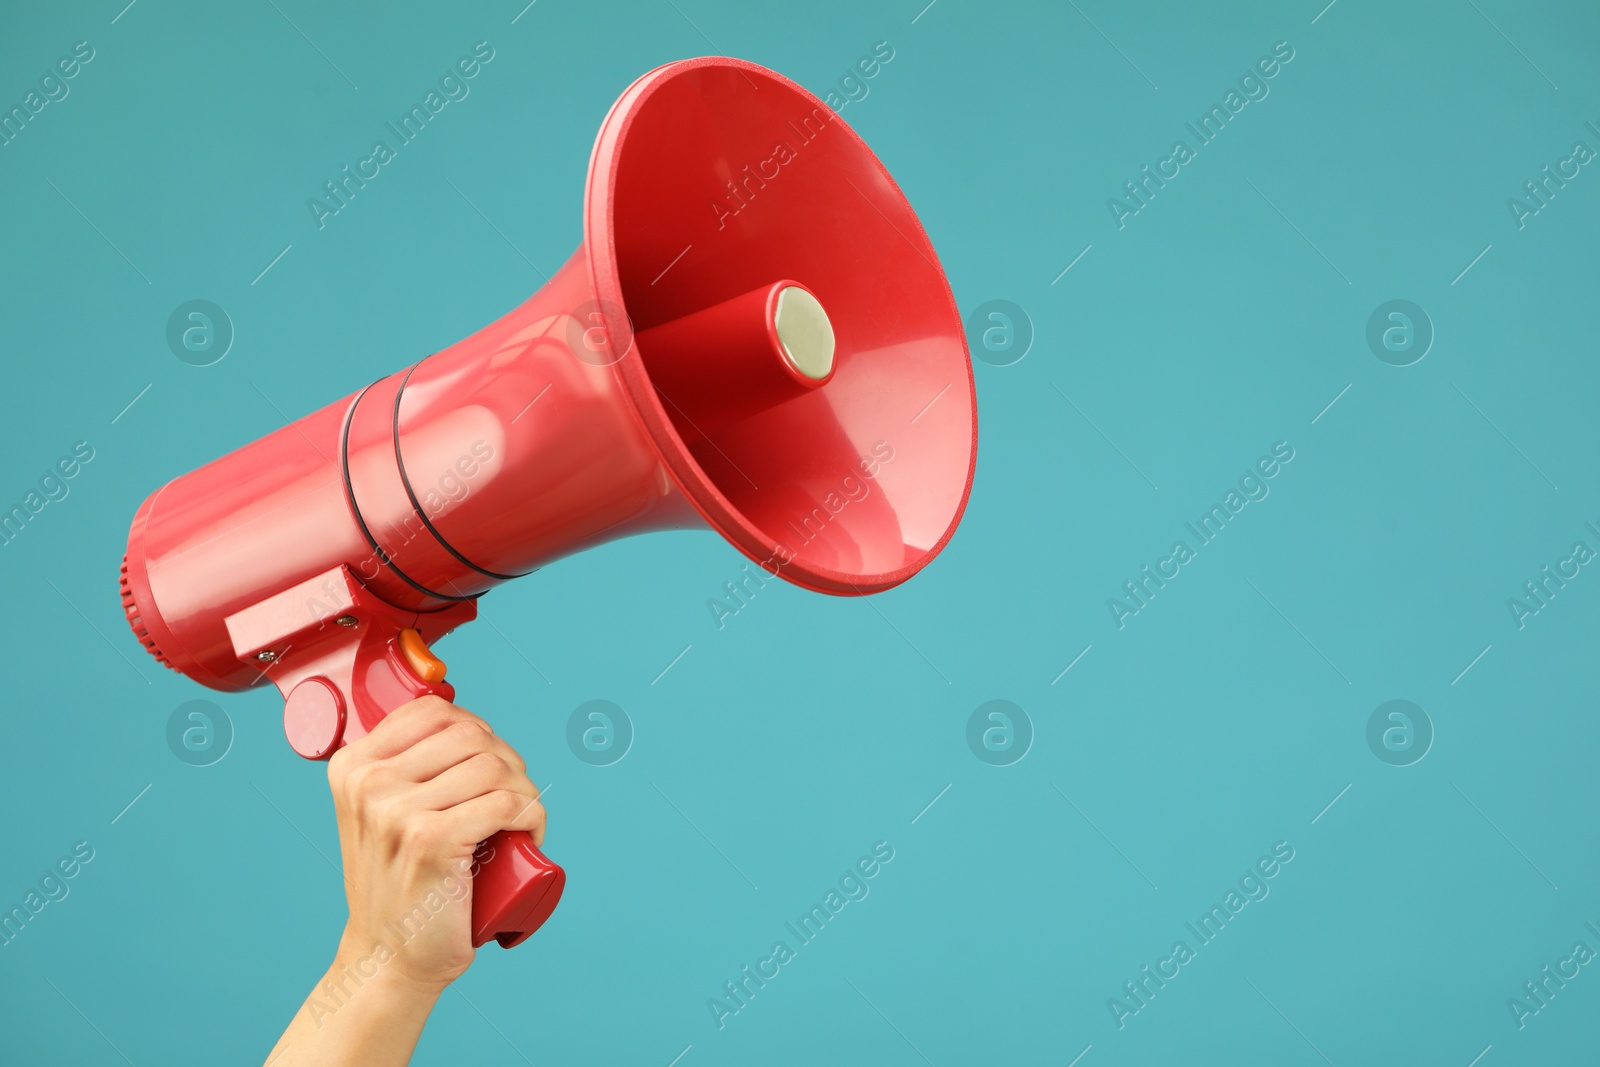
135 623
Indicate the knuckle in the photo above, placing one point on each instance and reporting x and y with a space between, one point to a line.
339 762
386 816
534 821
467 730
519 806
358 780
439 712
463 715
418 834
424 708
513 759
487 764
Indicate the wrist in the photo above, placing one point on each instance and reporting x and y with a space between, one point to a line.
376 970
361 1012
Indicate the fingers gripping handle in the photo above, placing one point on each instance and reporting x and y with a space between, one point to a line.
514 887
342 672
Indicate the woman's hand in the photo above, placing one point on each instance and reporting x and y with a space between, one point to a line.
413 800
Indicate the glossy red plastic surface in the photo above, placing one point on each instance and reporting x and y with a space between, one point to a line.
722 364
514 890
714 175
543 434
314 717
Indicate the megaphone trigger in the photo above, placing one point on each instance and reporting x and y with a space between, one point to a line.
427 667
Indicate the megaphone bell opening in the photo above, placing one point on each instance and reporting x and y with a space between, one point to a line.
793 326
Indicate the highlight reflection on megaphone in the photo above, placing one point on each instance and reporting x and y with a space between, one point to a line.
754 337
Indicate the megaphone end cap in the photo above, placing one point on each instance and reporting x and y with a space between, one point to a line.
144 619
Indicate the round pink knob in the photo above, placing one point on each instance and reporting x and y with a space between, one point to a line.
313 718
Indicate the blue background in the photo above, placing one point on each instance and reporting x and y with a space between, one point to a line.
1223 718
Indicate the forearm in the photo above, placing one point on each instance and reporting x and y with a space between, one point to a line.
351 1019
414 799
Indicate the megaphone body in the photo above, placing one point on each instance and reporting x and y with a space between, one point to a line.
755 337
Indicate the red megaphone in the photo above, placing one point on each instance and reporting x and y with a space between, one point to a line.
798 382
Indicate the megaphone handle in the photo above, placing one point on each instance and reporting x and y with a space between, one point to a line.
348 677
344 667
515 889
514 886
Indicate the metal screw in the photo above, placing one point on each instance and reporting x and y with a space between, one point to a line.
346 620
266 655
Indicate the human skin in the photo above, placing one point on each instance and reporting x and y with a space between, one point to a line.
413 798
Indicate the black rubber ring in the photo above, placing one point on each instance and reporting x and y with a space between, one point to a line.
416 505
355 509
